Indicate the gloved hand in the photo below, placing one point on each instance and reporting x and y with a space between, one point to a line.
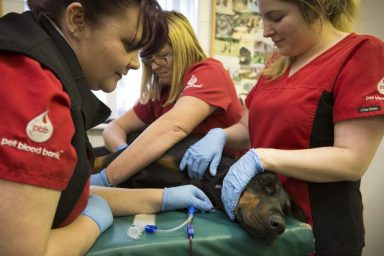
98 210
121 147
100 179
184 196
237 178
206 151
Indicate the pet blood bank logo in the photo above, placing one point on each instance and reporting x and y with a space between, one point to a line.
40 128
380 86
192 83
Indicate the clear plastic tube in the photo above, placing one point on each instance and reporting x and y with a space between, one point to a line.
176 228
153 228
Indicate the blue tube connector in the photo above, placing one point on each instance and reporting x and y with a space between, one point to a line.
154 229
190 231
150 228
191 210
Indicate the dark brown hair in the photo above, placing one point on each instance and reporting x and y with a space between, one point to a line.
154 23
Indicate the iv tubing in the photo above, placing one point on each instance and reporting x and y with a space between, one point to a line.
153 228
176 228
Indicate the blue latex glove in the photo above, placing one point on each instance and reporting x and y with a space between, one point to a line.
184 196
206 151
100 179
98 210
121 147
237 179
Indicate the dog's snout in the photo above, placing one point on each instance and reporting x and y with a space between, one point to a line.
277 223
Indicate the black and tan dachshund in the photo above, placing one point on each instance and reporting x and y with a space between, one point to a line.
261 208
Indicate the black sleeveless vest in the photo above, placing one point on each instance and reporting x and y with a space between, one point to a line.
39 40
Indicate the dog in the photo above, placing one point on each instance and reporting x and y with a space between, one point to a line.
261 209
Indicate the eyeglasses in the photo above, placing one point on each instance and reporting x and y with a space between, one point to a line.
159 61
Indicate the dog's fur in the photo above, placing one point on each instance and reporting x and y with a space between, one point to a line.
261 208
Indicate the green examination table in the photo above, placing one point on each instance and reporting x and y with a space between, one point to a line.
214 234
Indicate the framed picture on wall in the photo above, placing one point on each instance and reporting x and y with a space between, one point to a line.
237 41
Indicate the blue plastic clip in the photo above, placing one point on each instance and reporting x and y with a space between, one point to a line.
150 228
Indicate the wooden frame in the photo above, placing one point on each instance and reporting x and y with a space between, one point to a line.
237 40
1 8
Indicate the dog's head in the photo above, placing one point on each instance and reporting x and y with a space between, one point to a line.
262 206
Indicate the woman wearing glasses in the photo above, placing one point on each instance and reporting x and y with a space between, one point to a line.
183 92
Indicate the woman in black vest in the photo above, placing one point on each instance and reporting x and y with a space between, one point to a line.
51 57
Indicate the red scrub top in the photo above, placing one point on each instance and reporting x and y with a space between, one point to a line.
299 112
209 81
36 128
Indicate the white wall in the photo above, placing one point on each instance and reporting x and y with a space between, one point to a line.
205 24
12 6
372 190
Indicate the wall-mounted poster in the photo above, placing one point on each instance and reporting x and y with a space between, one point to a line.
237 40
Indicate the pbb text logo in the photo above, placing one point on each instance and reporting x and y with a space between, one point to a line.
40 128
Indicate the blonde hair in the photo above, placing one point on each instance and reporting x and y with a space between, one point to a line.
340 13
186 52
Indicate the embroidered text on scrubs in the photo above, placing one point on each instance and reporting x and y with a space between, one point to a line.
25 147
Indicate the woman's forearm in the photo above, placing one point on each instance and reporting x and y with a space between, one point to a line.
27 212
237 137
238 134
73 239
114 136
149 146
125 202
325 164
347 160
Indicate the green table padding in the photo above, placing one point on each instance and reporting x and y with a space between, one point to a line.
215 234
